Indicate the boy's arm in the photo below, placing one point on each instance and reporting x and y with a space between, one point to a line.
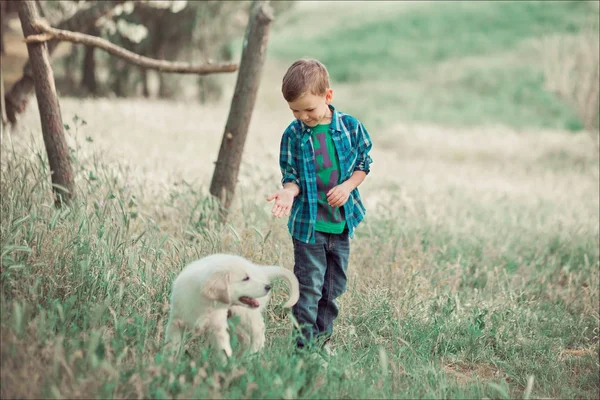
289 171
284 198
340 194
292 188
355 179
363 144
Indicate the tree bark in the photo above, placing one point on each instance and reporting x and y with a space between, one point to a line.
228 163
2 105
18 95
3 17
3 12
45 91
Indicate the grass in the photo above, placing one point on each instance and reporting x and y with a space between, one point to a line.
455 63
475 273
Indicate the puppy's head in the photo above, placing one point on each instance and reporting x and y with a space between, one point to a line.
235 282
245 287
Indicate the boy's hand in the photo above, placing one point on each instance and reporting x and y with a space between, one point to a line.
339 195
284 198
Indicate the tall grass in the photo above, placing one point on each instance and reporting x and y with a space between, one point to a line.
475 274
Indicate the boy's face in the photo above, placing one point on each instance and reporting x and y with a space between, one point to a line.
312 109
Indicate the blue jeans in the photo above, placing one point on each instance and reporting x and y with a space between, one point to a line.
321 271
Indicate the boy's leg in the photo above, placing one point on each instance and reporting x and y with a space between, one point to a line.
338 253
310 263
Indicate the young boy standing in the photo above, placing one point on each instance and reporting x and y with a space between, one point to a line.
324 156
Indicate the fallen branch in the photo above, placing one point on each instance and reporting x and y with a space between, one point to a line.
49 33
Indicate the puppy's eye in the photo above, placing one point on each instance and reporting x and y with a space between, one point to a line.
247 278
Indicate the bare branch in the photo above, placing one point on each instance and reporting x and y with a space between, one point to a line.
18 95
49 33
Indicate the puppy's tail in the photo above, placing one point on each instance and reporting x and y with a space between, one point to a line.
274 272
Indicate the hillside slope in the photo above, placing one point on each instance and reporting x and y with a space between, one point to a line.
458 63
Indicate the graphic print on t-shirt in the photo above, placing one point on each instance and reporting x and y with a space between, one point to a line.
329 219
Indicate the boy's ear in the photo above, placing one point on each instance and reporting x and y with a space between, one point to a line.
329 96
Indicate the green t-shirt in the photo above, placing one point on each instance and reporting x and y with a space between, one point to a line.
329 219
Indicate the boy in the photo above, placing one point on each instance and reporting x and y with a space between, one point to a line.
324 156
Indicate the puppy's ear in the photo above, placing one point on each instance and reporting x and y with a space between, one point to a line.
217 288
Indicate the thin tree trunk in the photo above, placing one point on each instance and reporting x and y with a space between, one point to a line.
2 105
228 163
2 21
88 80
45 91
70 63
120 85
18 95
163 89
145 88
3 17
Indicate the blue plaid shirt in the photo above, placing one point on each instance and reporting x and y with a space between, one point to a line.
296 160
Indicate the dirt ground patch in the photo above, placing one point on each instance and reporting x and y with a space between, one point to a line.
464 374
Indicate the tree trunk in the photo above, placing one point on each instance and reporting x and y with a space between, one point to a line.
70 64
120 83
2 106
3 17
253 57
45 91
145 88
18 95
163 87
88 80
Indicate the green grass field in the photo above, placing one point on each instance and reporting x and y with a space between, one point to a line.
476 273
458 63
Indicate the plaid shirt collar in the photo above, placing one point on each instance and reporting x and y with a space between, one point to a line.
336 122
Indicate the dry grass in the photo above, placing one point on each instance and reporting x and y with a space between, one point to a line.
572 70
476 268
461 217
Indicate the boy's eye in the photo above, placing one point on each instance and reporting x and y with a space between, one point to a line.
247 278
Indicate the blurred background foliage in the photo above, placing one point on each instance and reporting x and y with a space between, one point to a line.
522 64
459 63
191 31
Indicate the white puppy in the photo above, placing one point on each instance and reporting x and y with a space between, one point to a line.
251 329
206 289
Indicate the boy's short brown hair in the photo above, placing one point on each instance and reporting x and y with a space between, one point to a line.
302 76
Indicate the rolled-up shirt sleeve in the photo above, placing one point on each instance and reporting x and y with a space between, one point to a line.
287 163
363 142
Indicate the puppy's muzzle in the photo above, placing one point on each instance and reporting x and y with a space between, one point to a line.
252 302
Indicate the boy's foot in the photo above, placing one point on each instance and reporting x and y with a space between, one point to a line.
328 350
312 355
317 357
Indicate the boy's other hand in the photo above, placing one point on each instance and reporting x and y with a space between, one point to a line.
339 195
284 198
